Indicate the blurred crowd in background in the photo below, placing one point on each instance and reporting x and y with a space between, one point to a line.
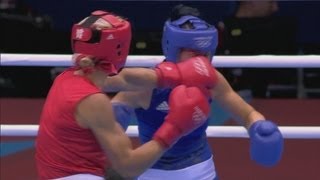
245 28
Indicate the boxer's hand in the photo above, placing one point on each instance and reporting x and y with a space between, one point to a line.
266 143
189 109
196 71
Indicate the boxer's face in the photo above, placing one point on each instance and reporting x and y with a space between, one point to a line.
188 53
185 53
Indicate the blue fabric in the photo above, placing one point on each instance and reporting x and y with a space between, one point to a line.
123 114
190 149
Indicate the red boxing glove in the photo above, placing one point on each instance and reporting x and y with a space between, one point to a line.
189 109
196 71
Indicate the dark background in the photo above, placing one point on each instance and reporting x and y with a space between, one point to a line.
43 27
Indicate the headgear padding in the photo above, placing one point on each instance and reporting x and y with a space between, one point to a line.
203 37
109 46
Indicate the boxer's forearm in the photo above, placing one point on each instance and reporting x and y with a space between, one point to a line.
131 79
253 117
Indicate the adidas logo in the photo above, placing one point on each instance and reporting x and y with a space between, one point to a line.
164 107
110 37
200 67
203 42
198 116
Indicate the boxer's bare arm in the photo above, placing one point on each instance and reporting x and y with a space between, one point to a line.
95 112
166 74
131 79
233 103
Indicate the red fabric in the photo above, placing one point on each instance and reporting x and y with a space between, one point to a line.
63 148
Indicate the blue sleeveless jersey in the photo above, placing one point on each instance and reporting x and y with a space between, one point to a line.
189 150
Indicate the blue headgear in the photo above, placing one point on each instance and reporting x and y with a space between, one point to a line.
203 37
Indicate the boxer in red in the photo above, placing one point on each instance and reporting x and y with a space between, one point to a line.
79 136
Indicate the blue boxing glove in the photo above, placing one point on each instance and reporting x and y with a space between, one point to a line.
266 143
123 114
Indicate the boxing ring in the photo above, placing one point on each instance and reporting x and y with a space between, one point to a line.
229 143
306 132
261 61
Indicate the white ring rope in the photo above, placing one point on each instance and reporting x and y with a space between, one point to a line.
288 132
268 61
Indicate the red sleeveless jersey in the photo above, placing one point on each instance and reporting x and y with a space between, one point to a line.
63 148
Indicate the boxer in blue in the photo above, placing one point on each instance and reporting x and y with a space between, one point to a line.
187 38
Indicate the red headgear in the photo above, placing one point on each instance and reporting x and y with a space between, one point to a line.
109 47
